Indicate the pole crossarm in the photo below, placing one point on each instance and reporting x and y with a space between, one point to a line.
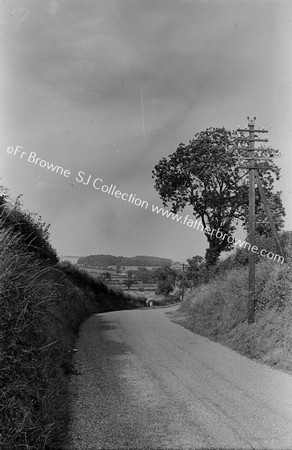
246 130
255 157
255 167
247 148
251 140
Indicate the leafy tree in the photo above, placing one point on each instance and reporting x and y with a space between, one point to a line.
129 282
130 278
131 273
144 275
208 175
166 279
194 265
118 268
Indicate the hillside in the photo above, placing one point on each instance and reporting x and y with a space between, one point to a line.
110 260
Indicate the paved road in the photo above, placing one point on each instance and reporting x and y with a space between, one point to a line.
146 382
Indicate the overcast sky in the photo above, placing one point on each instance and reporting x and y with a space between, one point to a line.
110 87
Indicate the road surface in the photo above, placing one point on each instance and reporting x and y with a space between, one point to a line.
146 382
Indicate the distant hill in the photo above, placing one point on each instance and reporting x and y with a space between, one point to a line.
109 260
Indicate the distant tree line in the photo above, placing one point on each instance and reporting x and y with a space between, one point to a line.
110 260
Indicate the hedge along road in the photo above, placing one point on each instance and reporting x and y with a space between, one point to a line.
146 382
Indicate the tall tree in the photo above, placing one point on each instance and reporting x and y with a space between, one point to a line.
208 175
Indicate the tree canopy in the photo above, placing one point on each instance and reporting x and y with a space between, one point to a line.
209 175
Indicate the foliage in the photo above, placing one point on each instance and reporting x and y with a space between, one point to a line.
208 175
130 279
32 231
131 273
199 272
275 204
129 282
166 279
144 275
106 277
193 268
218 310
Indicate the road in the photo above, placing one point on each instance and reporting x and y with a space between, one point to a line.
146 382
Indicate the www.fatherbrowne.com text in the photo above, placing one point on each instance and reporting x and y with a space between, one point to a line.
197 225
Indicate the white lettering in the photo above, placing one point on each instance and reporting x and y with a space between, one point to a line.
32 156
79 175
97 179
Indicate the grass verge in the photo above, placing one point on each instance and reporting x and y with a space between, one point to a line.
218 310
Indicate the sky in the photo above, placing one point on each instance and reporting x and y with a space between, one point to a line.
109 87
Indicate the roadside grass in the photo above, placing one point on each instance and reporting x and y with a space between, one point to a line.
218 310
42 305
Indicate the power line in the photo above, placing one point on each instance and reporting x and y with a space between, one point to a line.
264 105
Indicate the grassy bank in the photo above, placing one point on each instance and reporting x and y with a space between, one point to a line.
218 310
42 305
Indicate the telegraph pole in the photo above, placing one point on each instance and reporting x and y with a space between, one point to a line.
251 232
251 169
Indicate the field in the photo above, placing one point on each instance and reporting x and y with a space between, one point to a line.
118 280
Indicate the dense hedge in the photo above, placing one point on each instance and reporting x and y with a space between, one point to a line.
42 303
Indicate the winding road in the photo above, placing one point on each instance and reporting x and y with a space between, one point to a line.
146 382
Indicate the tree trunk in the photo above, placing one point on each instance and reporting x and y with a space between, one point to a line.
212 255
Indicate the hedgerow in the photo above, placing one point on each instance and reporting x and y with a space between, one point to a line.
42 303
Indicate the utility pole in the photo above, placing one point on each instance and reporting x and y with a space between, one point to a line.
251 169
251 201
